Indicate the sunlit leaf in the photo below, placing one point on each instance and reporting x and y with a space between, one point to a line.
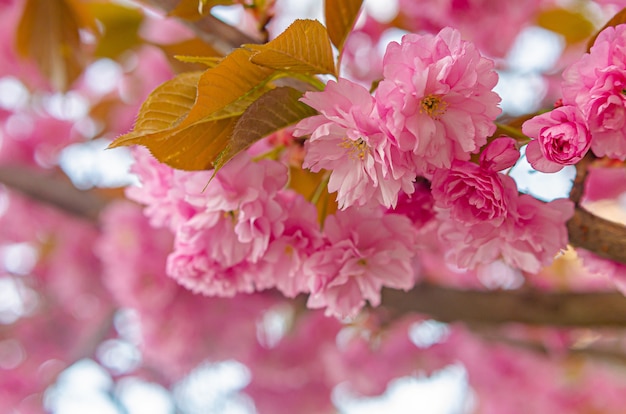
573 25
207 61
166 105
119 28
619 18
304 47
340 18
207 56
314 187
191 148
273 111
229 88
48 33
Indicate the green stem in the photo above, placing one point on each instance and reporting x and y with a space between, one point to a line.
272 154
514 133
320 188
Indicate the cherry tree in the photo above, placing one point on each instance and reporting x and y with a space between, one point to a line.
354 178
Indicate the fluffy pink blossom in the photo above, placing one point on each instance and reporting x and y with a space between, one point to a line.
596 85
418 207
560 137
347 138
436 98
471 194
282 264
162 190
483 219
239 213
528 239
500 154
366 251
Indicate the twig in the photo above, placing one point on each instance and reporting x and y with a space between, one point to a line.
498 307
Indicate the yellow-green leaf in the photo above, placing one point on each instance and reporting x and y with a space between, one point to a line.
48 33
340 18
195 147
619 18
208 61
229 88
273 111
166 105
194 46
314 187
119 27
304 47
158 127
573 25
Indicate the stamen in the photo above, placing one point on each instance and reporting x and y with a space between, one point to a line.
434 106
357 149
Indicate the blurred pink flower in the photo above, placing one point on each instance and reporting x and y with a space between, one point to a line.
492 25
347 139
596 85
560 137
436 98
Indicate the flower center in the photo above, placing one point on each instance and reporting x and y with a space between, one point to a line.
434 106
357 149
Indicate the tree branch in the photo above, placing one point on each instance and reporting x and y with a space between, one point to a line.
51 190
221 36
504 306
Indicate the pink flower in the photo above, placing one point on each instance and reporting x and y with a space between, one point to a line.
238 214
347 139
492 25
418 207
596 85
366 251
163 191
560 137
471 194
282 264
529 237
436 98
500 154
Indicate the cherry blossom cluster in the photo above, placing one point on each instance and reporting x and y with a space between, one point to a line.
592 113
399 160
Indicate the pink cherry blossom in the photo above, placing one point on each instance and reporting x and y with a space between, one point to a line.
347 138
472 194
596 84
418 206
366 251
282 264
500 154
162 190
560 137
492 25
238 214
436 98
482 218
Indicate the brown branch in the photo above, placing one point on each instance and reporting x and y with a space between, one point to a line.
51 190
605 238
221 36
612 356
497 307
